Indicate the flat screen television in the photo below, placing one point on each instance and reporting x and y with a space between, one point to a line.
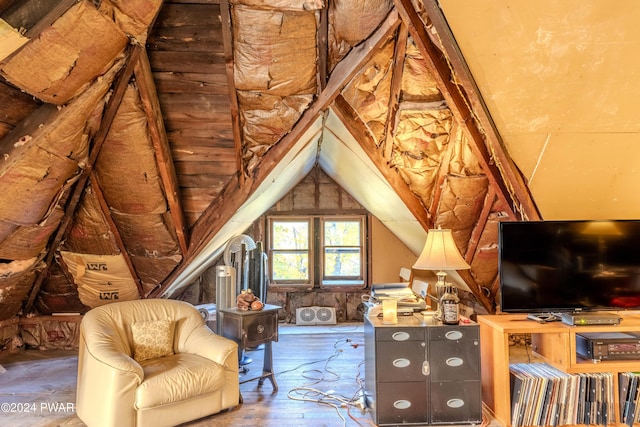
568 266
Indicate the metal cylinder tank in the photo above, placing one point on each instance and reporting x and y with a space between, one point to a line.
225 292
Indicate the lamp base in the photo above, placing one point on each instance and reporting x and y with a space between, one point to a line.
440 288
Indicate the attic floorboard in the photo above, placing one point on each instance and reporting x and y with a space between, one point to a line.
317 356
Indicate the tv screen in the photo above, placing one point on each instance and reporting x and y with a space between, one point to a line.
559 266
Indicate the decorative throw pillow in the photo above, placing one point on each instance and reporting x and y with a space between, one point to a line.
152 339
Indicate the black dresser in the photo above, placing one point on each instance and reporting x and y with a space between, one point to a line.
421 372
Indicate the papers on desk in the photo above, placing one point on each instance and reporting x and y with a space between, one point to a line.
400 292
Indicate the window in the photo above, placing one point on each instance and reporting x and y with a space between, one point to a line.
317 250
290 251
342 250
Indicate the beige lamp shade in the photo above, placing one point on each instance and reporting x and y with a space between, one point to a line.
440 253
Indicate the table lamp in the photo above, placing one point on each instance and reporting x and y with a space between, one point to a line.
440 253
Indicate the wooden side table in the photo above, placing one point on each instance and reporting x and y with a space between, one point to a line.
250 329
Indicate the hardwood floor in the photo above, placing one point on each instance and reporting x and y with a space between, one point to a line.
318 371
310 368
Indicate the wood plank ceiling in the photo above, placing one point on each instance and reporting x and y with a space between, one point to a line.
132 131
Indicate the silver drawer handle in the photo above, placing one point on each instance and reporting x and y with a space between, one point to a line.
402 404
426 369
454 362
455 403
453 335
401 363
400 336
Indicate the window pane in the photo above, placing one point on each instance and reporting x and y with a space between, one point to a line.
342 233
290 235
290 266
342 262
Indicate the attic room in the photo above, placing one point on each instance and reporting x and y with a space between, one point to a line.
141 139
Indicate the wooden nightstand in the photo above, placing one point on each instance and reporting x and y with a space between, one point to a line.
251 328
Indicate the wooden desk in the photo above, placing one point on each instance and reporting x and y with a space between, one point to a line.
251 328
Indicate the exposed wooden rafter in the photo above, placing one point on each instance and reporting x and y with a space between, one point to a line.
95 186
472 249
323 48
149 98
460 108
101 135
396 87
385 70
356 127
57 10
234 195
527 207
227 39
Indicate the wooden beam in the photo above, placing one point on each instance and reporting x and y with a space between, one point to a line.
95 186
476 290
395 90
342 74
480 224
98 140
516 198
359 130
57 10
210 222
443 171
34 125
472 249
323 48
227 39
234 194
54 14
158 134
518 186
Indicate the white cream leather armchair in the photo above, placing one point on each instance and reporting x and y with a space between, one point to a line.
199 379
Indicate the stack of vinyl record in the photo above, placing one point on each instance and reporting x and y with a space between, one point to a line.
629 385
542 395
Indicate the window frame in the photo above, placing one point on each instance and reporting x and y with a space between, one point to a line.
328 281
310 250
317 279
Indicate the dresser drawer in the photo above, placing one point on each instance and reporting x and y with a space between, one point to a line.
454 333
400 334
402 403
456 402
454 361
400 361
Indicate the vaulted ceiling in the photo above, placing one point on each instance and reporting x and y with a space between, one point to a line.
138 136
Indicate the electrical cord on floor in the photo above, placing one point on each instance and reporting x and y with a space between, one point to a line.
306 364
321 372
330 398
308 394
360 400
